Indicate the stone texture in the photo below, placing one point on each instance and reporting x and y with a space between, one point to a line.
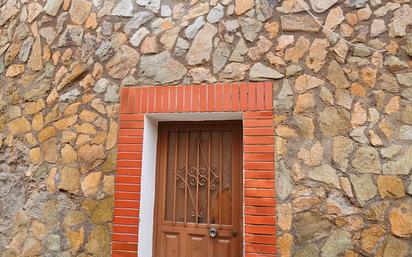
201 47
241 6
400 21
260 72
390 187
99 241
201 74
401 219
299 22
122 62
364 187
284 214
161 68
320 6
70 180
283 181
310 227
234 71
124 9
52 7
250 28
306 82
90 184
324 173
395 247
80 11
19 126
401 166
334 121
317 53
337 243
297 52
285 245
366 160
336 76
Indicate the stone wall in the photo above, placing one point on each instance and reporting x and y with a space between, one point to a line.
343 113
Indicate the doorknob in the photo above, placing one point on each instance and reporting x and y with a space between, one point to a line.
213 232
234 233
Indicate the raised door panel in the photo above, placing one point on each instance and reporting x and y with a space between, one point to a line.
171 244
223 247
196 246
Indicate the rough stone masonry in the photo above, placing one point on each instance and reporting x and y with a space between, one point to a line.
343 113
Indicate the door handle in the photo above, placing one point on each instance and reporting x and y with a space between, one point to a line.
234 233
213 232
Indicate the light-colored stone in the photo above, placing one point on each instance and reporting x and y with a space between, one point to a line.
122 62
15 70
283 180
112 135
295 53
234 71
46 133
88 155
161 68
19 126
313 156
79 11
395 247
404 79
334 18
250 28
324 173
262 46
317 53
299 22
70 180
358 115
69 155
336 75
334 121
90 184
321 6
260 72
98 242
337 243
35 155
306 82
124 8
378 27
284 214
241 6
201 74
310 226
366 160
202 46
52 7
401 19
364 187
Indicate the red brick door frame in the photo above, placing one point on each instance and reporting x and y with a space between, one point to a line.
254 102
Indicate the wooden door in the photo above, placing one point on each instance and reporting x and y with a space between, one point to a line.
198 191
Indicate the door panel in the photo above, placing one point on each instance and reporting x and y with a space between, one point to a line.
196 246
223 246
198 189
171 243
